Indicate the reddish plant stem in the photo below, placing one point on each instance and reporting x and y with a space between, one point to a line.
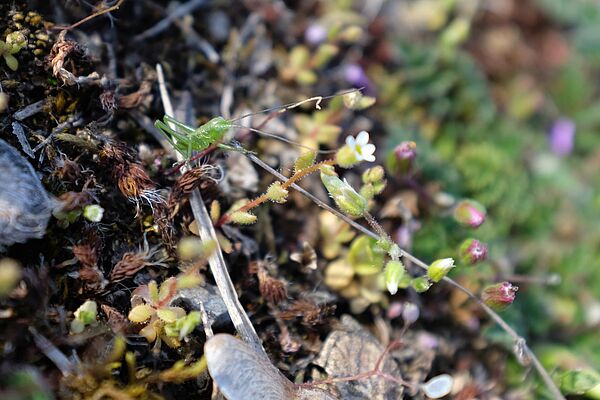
264 197
376 371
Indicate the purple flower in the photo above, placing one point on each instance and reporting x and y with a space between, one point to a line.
562 136
356 76
315 34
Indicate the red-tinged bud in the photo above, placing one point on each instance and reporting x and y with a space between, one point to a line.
400 161
472 251
470 213
500 295
406 151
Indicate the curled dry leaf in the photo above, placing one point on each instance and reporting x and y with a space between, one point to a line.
243 373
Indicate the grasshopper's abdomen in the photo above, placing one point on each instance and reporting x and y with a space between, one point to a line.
209 133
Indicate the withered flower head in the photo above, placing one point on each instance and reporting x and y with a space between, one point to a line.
86 254
273 290
133 180
133 261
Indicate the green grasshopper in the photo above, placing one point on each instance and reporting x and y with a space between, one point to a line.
187 140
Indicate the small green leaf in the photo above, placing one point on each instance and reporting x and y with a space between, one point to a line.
365 256
304 161
166 314
421 284
11 61
242 217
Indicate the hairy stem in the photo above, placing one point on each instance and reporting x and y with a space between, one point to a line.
286 184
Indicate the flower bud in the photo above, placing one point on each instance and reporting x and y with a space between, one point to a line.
373 175
87 312
394 271
277 193
421 284
472 251
402 158
440 268
500 295
470 213
342 193
93 213
242 217
406 151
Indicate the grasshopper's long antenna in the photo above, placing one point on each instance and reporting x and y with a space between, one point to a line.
283 139
289 106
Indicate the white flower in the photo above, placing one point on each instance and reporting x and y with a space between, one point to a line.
363 150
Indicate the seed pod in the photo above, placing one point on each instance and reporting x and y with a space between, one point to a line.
25 207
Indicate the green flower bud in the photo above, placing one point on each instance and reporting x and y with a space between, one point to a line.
394 272
93 213
242 217
373 175
345 197
276 193
421 284
440 268
87 312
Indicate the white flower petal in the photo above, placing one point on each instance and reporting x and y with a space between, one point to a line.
362 138
368 149
350 141
369 158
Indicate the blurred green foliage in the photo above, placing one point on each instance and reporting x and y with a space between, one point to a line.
543 209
